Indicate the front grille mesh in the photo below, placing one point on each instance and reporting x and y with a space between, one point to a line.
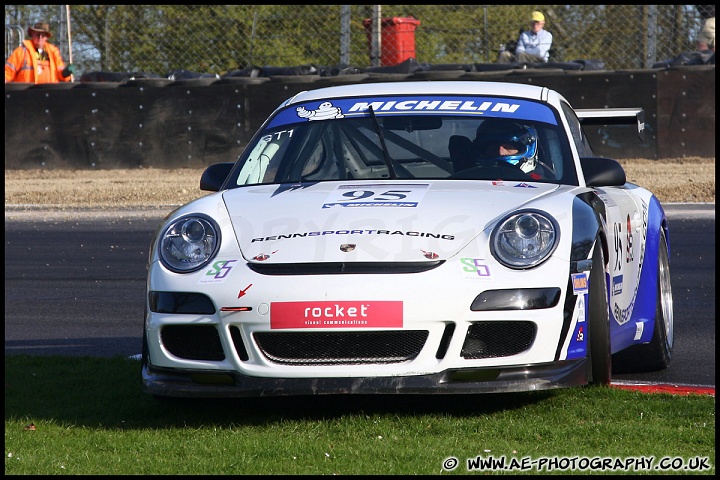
483 340
497 339
340 348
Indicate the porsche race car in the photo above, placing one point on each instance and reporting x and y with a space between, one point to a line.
411 237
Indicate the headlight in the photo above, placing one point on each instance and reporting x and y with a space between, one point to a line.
189 243
524 239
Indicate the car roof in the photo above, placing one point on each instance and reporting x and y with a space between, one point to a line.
532 92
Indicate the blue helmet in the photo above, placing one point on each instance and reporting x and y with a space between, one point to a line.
521 139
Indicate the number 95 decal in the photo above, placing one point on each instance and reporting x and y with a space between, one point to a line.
373 195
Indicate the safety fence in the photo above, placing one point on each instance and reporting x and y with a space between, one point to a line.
219 39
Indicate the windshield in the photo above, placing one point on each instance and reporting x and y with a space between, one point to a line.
375 139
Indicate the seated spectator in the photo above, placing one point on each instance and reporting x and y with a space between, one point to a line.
533 46
706 39
705 53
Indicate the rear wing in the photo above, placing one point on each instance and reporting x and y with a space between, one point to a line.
614 116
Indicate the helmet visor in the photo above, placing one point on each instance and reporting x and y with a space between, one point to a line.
511 148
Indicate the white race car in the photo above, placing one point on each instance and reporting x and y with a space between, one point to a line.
410 237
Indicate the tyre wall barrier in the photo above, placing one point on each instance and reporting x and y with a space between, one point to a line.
161 123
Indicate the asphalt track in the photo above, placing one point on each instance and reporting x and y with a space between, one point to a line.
75 284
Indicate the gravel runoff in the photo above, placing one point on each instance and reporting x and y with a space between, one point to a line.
680 180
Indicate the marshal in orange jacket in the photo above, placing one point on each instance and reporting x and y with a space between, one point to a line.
23 65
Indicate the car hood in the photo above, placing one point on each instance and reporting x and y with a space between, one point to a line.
369 222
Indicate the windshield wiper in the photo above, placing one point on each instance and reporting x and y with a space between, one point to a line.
386 154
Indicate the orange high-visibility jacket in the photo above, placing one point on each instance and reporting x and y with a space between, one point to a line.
22 64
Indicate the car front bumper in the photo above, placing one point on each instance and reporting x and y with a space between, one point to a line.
166 382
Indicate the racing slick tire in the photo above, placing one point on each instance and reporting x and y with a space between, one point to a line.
599 321
656 355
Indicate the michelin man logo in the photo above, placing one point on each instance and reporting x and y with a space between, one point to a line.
325 111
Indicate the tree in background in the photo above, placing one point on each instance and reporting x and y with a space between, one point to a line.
221 38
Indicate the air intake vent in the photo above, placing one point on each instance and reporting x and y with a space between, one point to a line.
339 268
193 342
498 339
340 348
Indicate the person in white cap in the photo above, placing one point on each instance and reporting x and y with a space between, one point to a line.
704 53
706 39
533 45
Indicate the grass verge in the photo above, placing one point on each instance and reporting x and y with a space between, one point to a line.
83 415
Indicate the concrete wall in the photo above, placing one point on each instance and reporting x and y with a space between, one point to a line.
194 123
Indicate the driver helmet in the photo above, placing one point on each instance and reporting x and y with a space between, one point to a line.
520 141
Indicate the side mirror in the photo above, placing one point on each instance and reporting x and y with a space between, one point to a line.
602 172
214 176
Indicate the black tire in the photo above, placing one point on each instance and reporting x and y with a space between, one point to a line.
598 330
657 354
